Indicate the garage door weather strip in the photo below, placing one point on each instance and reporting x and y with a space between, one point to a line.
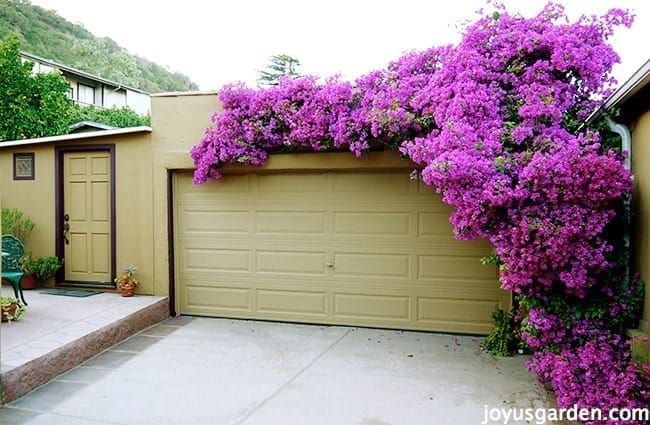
279 390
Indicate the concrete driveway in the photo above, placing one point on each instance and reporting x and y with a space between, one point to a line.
219 372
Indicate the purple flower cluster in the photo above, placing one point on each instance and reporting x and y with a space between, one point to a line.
491 123
597 374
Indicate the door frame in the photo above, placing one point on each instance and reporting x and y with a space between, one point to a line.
59 152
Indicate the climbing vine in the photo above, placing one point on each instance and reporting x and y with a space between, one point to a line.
495 123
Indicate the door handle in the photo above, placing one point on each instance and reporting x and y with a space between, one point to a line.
330 264
66 229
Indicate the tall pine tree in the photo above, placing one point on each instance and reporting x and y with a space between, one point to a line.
278 66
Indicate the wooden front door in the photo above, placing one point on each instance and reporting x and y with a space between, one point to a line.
86 217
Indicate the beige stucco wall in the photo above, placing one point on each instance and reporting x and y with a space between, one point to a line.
34 197
641 234
134 199
134 207
179 121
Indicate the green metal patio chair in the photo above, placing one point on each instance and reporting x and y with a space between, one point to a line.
12 272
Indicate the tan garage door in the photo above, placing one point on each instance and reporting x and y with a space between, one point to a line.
354 248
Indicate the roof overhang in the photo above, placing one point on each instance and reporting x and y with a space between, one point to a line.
90 125
638 80
76 136
78 72
186 93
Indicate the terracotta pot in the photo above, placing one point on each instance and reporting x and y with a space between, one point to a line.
127 291
28 282
8 310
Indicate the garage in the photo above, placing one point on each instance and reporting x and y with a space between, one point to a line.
349 247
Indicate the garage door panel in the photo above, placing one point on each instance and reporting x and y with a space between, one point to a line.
454 311
368 306
289 222
377 266
442 288
364 185
202 221
292 302
453 267
221 298
292 262
217 260
434 224
366 223
287 184
264 253
233 185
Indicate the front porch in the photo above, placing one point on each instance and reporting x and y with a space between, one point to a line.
58 333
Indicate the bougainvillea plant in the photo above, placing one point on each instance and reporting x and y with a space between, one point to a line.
495 123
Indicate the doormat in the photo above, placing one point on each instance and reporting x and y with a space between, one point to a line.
72 292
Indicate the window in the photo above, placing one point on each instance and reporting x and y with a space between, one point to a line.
24 166
85 94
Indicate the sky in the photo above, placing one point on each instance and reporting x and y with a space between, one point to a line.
218 42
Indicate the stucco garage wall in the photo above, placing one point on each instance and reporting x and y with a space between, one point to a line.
34 197
134 198
179 120
134 208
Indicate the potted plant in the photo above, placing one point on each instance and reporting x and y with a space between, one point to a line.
38 268
126 282
11 309
46 267
27 262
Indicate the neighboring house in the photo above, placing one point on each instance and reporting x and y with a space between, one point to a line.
88 126
633 100
309 237
87 89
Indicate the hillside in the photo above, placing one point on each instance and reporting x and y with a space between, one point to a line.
46 34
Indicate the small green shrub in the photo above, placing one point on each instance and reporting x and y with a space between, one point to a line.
14 223
44 268
503 340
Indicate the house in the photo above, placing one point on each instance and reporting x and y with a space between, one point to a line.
633 100
87 89
309 237
87 126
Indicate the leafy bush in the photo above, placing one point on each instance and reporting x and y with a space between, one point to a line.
44 268
117 117
15 223
503 340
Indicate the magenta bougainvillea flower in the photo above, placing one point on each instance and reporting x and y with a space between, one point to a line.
493 122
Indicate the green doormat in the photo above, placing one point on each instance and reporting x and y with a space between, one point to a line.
72 292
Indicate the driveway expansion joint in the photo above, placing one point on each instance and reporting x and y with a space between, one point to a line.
293 378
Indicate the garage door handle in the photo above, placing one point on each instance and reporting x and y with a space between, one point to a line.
329 264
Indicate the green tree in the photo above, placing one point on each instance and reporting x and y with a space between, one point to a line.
30 105
44 33
117 117
278 66
106 59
